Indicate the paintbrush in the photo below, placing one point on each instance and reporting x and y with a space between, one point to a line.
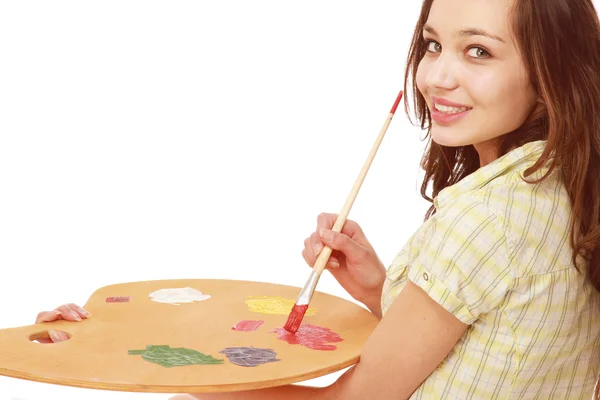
297 314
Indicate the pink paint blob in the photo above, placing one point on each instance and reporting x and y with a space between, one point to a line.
117 299
247 325
312 336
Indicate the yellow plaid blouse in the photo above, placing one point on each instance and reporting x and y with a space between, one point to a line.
496 255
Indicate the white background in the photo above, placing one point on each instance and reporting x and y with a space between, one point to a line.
192 139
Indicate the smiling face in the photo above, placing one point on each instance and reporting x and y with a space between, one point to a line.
472 76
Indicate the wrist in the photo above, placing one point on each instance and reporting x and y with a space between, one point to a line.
373 301
375 307
373 298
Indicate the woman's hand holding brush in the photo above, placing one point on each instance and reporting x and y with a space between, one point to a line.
353 262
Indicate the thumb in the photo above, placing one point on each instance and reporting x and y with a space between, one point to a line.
339 241
48 316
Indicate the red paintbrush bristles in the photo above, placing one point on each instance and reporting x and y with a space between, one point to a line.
395 106
295 318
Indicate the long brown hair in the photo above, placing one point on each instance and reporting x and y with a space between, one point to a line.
559 41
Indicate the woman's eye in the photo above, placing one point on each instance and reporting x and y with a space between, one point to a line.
478 52
433 47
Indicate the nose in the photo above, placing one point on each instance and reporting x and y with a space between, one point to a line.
442 72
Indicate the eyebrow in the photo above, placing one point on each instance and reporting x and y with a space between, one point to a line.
467 32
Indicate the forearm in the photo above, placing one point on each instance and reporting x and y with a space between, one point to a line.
354 384
287 392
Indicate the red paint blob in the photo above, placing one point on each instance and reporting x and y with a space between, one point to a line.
312 336
247 326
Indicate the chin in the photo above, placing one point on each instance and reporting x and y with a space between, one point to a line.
451 136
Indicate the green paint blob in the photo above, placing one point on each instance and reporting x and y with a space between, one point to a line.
174 357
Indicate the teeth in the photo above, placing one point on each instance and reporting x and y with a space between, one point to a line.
450 110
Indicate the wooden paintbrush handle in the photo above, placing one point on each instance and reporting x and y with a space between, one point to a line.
343 215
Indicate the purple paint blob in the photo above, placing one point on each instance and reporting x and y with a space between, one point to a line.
249 356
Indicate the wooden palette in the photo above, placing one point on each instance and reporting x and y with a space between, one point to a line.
96 356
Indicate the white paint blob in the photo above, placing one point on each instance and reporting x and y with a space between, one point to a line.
178 295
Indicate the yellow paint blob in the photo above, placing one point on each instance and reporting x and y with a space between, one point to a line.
274 305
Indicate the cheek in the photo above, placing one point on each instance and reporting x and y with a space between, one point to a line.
421 76
485 89
510 97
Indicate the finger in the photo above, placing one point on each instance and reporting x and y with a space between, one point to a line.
57 336
309 250
333 262
83 313
307 247
310 261
316 246
341 242
48 316
353 231
69 314
326 220
308 253
351 228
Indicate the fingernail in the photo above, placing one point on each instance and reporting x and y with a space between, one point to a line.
53 335
318 248
84 311
75 315
57 312
334 264
326 234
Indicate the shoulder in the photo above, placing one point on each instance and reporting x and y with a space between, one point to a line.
514 195
469 217
533 216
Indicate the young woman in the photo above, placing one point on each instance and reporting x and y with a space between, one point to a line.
496 295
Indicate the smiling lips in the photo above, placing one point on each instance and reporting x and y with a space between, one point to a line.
446 112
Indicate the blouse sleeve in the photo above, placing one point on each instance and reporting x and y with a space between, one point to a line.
465 263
